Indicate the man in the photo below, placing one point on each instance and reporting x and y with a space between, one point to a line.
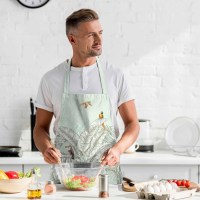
85 96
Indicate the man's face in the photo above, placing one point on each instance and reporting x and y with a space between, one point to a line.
89 39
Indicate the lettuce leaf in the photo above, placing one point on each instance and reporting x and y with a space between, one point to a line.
29 173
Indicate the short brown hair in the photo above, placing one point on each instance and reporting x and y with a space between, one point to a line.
77 17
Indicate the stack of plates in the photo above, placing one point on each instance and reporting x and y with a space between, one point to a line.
182 133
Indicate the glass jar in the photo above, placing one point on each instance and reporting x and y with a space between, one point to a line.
49 187
34 188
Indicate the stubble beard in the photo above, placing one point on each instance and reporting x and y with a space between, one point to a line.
94 53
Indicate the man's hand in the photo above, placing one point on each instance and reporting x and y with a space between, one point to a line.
52 155
111 157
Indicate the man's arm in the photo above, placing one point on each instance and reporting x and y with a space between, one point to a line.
129 116
42 138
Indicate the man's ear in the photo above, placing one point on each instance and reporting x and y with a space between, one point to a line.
71 39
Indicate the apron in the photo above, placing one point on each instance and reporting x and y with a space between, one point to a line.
85 129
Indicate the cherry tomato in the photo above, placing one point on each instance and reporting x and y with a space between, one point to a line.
178 182
175 181
169 180
183 182
12 174
187 184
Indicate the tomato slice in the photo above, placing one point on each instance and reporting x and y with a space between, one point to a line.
12 174
83 179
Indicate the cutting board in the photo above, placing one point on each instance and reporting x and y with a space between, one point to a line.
127 188
194 186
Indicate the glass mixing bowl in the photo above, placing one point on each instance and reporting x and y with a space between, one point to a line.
78 176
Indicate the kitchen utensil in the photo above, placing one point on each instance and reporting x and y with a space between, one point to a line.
78 175
32 125
192 151
128 185
101 168
129 181
103 186
59 161
32 106
145 140
182 132
9 151
14 185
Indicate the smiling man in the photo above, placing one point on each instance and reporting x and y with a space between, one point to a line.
85 95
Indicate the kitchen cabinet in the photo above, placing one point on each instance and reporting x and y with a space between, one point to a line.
45 171
18 168
148 172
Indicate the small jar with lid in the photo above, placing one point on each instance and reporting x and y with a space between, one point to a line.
50 187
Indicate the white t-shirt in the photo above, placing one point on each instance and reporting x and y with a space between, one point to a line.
83 80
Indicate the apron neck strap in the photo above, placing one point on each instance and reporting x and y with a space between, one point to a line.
101 75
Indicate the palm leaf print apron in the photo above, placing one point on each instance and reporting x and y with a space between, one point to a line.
86 130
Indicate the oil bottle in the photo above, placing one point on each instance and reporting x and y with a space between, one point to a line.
34 188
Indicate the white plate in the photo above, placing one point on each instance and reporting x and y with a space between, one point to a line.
181 133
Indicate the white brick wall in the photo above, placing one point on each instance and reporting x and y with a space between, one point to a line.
156 41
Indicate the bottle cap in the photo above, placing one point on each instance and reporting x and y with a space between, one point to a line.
50 182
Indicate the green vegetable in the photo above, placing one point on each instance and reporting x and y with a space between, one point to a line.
29 173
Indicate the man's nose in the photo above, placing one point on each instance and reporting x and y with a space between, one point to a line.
98 38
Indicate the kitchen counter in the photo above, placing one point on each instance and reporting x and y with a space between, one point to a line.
61 194
137 158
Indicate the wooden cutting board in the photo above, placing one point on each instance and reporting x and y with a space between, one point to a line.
194 186
127 188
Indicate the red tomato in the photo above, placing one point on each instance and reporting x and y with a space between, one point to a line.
76 178
187 184
84 179
175 181
183 182
169 181
12 174
178 182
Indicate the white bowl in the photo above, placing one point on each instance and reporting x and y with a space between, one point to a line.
14 185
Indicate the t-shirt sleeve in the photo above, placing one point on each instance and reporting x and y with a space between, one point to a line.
125 92
43 99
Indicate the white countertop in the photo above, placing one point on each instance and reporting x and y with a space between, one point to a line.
137 158
115 193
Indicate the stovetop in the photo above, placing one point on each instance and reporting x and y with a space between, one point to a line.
10 154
